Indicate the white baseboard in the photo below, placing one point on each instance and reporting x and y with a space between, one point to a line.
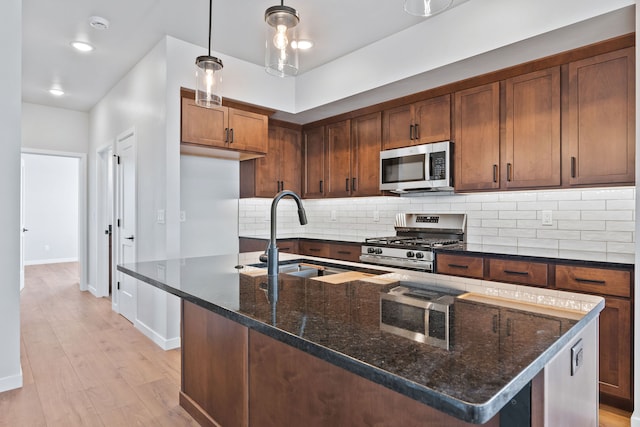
50 261
12 382
162 342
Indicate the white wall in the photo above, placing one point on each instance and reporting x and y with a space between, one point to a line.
50 128
10 113
50 208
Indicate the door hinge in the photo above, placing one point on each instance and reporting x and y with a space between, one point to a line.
118 286
118 222
118 159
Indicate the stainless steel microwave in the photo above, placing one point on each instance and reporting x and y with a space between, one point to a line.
426 167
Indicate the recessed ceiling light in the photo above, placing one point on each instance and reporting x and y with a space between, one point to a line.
55 91
98 22
302 44
82 46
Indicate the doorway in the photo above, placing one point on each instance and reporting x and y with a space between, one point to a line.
54 209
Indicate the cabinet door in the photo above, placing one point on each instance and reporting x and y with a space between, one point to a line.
267 168
523 330
601 119
432 120
477 138
313 152
469 317
338 159
532 138
365 155
248 131
290 155
204 126
396 131
615 348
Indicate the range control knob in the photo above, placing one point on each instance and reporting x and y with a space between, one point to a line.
370 250
419 255
379 251
410 254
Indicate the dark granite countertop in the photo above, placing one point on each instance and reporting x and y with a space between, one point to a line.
340 323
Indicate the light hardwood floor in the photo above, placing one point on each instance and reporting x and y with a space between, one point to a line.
84 365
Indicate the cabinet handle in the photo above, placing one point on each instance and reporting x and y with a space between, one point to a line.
519 273
416 131
495 173
573 167
226 134
321 186
314 250
508 327
591 281
346 185
495 323
344 252
231 132
411 132
458 266
508 171
353 184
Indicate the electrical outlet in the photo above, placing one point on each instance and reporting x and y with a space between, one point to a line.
333 215
547 218
376 216
577 357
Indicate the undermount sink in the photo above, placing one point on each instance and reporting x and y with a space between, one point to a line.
309 270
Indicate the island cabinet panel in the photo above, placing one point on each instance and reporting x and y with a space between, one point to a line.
289 387
281 168
520 272
223 127
460 265
419 123
313 179
601 119
477 138
532 135
616 349
214 367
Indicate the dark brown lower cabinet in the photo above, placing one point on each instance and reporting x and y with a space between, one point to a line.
615 352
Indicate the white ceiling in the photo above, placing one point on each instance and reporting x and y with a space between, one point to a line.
338 28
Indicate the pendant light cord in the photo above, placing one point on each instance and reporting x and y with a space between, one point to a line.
211 13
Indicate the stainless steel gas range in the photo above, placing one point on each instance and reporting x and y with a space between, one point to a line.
417 234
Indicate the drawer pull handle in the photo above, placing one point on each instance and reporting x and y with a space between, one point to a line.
519 273
314 249
458 266
344 252
593 282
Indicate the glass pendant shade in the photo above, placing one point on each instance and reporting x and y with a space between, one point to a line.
208 81
426 7
281 59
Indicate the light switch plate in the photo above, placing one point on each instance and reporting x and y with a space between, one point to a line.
547 218
376 216
333 215
577 357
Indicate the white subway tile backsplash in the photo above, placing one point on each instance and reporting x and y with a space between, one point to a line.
598 220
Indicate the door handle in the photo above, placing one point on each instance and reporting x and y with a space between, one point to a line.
25 229
130 238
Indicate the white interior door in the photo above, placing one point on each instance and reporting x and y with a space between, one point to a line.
126 286
23 229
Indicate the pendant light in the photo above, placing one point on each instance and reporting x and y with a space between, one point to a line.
208 75
280 58
426 8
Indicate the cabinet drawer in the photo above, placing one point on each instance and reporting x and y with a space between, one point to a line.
521 272
314 249
594 280
460 265
345 252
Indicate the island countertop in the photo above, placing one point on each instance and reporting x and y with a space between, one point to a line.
339 323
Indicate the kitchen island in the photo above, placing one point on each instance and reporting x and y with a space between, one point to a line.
319 357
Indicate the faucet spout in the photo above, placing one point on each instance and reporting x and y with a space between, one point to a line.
272 249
